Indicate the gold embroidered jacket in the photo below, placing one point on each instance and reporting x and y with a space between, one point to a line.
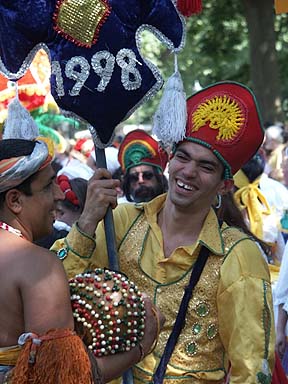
230 316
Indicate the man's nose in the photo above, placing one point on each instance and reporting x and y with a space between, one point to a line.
140 178
190 169
58 193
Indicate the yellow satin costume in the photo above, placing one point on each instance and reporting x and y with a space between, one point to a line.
9 355
230 316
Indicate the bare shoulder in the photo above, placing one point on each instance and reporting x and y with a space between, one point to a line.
34 279
45 281
33 262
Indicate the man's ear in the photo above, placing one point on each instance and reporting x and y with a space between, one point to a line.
226 186
14 200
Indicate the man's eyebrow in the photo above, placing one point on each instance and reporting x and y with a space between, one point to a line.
51 180
182 151
201 161
208 162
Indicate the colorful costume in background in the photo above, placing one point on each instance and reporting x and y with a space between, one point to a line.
224 325
264 199
139 148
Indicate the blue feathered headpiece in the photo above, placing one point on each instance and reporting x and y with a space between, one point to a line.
98 73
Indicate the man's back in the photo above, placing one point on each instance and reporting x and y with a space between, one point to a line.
31 279
11 314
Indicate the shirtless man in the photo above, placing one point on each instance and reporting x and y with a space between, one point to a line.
34 294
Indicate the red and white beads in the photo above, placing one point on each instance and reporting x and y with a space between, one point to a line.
108 310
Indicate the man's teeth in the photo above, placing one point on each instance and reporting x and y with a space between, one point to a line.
184 186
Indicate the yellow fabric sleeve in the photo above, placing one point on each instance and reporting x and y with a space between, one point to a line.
9 355
246 323
80 251
76 250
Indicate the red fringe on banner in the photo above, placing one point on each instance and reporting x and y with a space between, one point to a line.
189 7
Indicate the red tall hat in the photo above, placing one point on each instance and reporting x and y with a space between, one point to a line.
225 118
138 147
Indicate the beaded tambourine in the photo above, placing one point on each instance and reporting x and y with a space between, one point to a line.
108 310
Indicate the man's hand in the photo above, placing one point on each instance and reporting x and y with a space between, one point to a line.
153 324
280 343
101 193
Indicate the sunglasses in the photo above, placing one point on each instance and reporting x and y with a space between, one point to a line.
146 175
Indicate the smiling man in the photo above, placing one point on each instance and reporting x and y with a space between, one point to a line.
228 326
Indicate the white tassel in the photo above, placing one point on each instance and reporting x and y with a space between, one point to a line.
170 119
19 123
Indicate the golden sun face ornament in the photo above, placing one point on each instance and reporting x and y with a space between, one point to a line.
223 113
225 118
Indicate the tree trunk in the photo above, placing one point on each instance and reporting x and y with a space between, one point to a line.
259 15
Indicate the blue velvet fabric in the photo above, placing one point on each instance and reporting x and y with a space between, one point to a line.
25 23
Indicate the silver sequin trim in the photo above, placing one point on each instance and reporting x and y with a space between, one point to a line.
80 76
26 63
126 59
56 71
104 72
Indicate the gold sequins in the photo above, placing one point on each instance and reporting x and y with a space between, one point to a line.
81 19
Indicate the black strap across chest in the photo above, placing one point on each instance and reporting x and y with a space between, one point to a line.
180 319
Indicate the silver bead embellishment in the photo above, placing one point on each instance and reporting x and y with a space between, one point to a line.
56 70
104 72
72 72
130 76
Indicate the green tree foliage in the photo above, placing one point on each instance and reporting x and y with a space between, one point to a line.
217 48
281 28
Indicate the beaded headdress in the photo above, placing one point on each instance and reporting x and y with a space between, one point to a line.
108 310
137 148
225 118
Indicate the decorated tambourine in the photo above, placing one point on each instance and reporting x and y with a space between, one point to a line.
108 310
98 72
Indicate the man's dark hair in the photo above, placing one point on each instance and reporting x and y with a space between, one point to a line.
10 148
231 214
254 167
24 187
161 182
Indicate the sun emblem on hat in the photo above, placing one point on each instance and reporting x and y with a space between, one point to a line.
220 112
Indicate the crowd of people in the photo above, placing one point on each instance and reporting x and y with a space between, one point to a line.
197 228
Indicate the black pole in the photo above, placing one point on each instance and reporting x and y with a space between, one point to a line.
111 241
108 219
